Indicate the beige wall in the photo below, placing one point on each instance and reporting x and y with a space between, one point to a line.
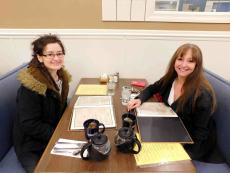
132 53
78 14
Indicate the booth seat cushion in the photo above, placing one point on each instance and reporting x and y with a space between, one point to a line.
202 167
10 163
222 114
222 119
8 88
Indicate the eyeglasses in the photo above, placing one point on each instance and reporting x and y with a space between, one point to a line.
52 55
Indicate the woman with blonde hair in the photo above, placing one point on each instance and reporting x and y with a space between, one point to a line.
186 90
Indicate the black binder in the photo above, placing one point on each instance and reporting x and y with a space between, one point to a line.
163 129
159 123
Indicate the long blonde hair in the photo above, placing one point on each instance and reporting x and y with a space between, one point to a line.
194 82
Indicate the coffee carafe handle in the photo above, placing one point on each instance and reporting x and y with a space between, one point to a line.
102 129
132 111
136 141
85 147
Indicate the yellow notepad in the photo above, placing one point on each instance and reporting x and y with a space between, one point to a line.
160 153
91 89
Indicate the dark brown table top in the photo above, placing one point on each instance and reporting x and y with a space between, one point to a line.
117 162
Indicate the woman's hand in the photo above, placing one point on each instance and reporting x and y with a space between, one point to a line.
133 104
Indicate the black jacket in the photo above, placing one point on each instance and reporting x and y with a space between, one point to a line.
199 123
40 107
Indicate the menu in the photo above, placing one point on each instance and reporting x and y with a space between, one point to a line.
153 154
91 89
93 107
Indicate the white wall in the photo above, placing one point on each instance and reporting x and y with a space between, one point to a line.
133 53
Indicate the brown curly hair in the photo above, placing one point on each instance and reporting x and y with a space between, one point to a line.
38 47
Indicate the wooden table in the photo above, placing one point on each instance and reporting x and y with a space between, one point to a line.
117 162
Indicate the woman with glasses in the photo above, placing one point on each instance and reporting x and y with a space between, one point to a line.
41 100
186 90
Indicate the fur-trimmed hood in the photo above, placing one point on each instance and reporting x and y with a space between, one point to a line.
33 79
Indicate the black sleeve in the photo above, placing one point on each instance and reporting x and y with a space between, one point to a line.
202 115
201 119
149 91
30 115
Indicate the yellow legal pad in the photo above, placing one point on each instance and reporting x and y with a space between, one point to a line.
91 89
160 153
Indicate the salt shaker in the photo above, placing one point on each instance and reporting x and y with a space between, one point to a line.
116 77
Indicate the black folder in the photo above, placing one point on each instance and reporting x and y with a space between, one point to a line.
163 129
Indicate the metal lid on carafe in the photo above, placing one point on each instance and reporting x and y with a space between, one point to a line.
125 132
99 139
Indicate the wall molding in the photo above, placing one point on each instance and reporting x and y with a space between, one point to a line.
185 16
148 10
118 34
